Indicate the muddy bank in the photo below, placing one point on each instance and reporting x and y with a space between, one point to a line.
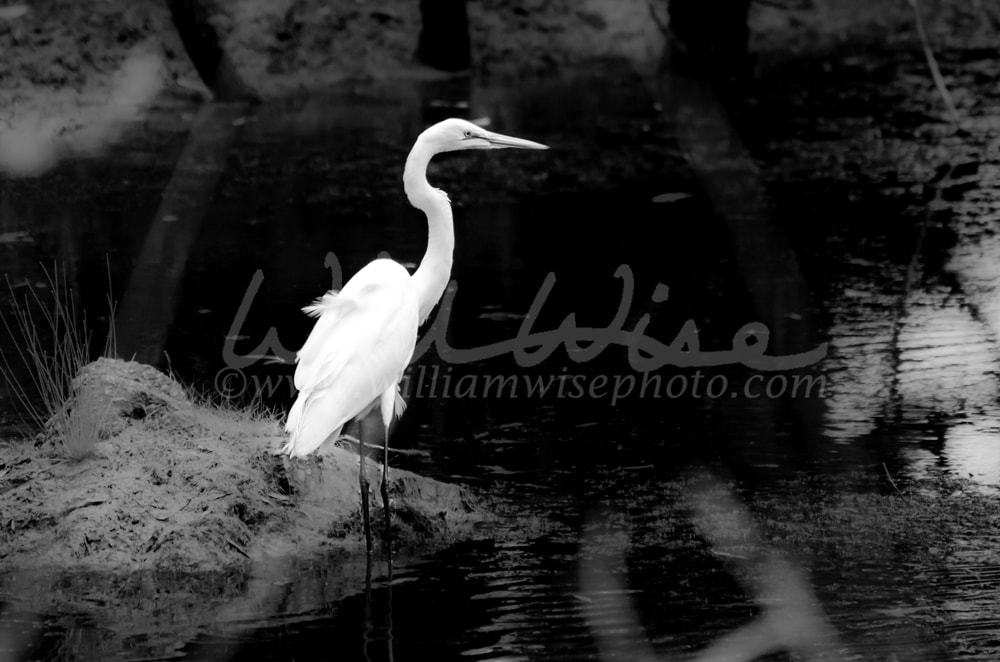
78 76
75 77
166 484
61 58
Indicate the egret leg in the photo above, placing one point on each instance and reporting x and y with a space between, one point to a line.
388 611
385 493
366 631
363 481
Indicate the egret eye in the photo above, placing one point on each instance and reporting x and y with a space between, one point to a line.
468 134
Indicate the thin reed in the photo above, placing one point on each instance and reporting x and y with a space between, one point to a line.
51 345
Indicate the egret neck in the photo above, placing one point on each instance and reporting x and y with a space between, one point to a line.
432 275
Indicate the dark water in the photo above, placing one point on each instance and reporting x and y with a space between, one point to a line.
863 242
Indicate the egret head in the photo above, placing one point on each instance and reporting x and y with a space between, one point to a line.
453 134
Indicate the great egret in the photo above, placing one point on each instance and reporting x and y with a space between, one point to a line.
364 335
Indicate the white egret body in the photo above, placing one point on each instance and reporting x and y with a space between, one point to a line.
364 335
355 355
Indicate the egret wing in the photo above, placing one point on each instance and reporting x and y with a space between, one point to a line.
363 340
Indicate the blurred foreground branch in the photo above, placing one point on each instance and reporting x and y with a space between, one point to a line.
791 617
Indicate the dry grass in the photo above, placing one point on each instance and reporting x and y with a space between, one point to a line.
80 426
51 343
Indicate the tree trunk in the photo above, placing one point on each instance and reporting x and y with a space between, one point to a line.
710 38
204 47
444 37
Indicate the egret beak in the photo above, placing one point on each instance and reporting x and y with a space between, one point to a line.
500 141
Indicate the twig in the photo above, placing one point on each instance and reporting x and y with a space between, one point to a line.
238 548
891 481
660 23
932 63
85 504
909 280
353 441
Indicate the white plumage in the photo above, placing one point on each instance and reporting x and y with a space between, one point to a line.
354 358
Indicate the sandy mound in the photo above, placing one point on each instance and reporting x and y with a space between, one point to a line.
172 485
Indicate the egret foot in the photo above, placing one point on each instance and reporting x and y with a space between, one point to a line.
346 440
